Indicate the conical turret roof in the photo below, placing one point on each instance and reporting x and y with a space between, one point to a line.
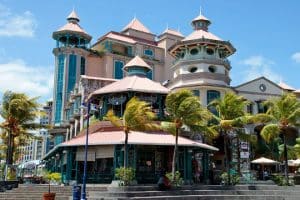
72 26
136 25
137 62
73 16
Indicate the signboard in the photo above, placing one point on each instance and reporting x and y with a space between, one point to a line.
244 145
244 154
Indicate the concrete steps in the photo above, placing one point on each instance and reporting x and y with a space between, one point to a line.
201 192
195 192
35 192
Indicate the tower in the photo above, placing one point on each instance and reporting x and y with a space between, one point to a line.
201 62
71 52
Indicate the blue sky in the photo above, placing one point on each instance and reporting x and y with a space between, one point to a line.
265 34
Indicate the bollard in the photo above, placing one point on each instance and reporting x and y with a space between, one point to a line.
76 192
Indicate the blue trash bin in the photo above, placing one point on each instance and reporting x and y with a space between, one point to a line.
76 192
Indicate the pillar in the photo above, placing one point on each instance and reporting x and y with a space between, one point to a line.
205 160
69 164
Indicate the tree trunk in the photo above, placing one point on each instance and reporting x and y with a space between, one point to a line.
286 169
175 155
125 149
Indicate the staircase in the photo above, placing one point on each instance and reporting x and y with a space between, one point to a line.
204 192
150 192
35 192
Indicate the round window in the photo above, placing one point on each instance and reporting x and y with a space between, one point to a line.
193 69
210 51
212 69
194 51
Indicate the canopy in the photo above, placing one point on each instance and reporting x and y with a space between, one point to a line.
265 161
294 163
30 164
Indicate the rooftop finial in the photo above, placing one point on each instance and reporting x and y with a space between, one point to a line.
200 11
134 17
167 28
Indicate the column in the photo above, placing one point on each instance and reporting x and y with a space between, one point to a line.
205 160
69 164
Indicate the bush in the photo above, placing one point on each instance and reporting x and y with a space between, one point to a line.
234 178
126 175
280 180
178 181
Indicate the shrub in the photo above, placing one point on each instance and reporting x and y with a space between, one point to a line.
126 175
280 180
178 181
234 178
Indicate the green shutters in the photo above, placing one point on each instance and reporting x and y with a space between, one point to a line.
82 66
118 69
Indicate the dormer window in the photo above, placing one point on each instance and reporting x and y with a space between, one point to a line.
148 52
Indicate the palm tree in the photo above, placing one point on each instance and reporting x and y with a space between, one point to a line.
184 108
137 116
231 117
285 114
19 112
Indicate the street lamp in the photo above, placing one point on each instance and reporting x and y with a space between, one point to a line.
83 194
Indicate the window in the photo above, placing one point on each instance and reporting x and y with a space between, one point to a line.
250 108
59 88
196 92
118 69
210 51
212 69
212 95
148 52
71 73
261 108
194 51
193 69
82 66
150 75
182 55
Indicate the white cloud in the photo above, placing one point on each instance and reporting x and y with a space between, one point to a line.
17 76
259 66
296 57
22 25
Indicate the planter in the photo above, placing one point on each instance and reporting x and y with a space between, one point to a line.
49 196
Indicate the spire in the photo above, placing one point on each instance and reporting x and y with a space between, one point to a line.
201 22
73 17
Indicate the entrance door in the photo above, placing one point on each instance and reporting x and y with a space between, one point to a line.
145 166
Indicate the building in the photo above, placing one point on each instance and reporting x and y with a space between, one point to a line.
131 62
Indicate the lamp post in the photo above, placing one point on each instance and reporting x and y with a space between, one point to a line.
83 194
